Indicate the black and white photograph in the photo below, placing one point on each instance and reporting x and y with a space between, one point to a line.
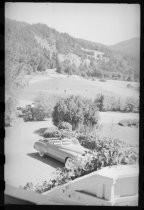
72 98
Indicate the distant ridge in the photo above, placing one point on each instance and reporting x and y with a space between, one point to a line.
128 47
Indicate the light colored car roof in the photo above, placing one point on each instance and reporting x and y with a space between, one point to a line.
64 141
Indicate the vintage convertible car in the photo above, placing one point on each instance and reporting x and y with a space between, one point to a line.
64 150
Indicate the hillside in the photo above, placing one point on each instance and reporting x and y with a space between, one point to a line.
128 47
37 47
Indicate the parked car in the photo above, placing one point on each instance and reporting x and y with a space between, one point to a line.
64 150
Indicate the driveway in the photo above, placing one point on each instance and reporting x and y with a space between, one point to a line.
23 163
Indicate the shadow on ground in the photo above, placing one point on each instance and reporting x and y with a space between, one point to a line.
40 131
47 160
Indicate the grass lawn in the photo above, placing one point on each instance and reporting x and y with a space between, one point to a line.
110 127
127 134
63 85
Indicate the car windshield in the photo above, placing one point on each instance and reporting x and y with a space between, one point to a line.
55 142
51 140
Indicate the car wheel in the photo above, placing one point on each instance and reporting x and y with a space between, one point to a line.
69 163
41 154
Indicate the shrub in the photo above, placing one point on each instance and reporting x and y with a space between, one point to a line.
65 126
91 115
107 152
66 134
35 113
68 110
113 151
38 113
132 105
93 142
99 101
47 102
76 111
51 132
109 102
129 123
54 132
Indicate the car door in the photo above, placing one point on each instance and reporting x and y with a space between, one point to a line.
54 150
64 151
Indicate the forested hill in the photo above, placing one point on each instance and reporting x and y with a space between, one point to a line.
37 47
129 47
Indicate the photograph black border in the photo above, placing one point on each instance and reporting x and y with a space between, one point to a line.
2 106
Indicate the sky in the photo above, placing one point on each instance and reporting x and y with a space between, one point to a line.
104 23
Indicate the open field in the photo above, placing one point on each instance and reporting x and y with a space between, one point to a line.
54 83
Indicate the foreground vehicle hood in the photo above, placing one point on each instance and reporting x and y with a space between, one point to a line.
74 149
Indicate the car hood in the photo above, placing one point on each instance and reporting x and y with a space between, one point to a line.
74 148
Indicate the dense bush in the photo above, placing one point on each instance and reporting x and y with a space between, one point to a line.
42 107
129 123
51 132
68 110
77 111
99 100
113 103
106 152
110 144
65 126
132 105
47 102
109 102
66 134
35 113
54 132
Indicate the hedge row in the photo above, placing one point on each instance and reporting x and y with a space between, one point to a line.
80 112
115 103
